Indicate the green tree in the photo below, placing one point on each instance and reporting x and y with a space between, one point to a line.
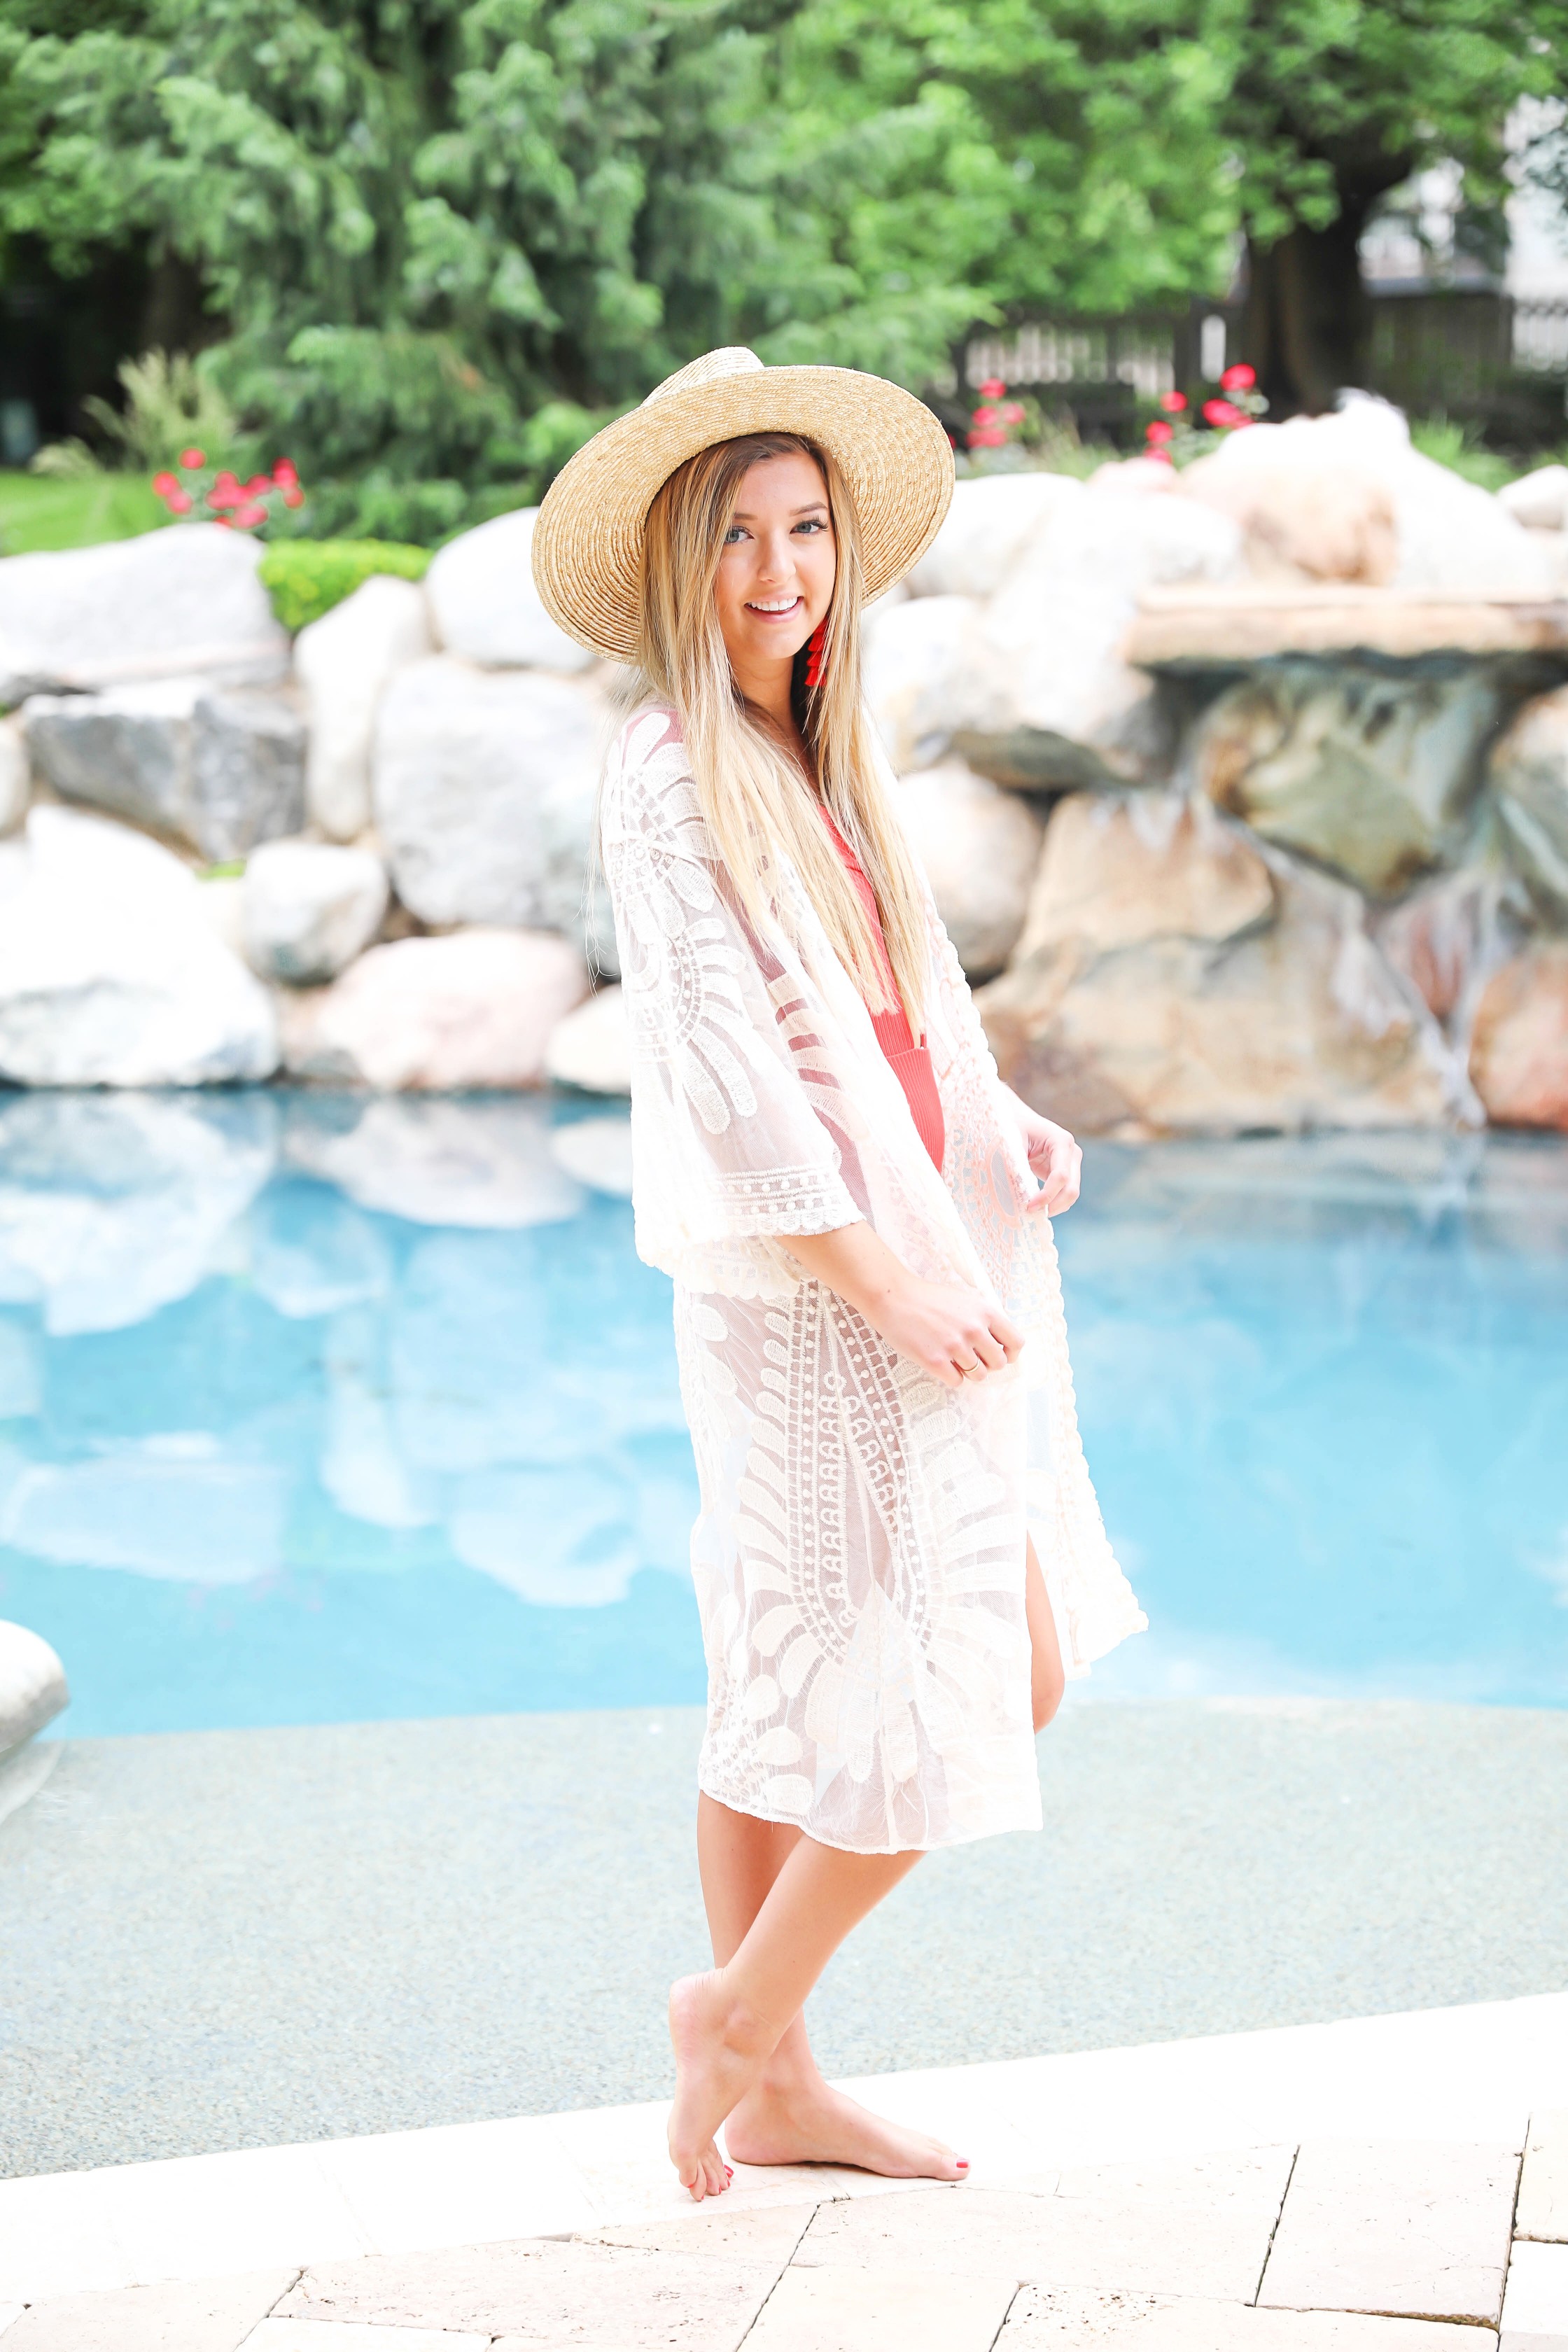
1332 104
443 235
1025 154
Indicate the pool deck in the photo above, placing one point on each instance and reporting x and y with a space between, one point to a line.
1385 2185
239 1940
321 2040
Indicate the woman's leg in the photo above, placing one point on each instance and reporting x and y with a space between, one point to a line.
1047 1680
734 2056
791 2115
725 2026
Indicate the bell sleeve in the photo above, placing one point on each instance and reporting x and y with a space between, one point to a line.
739 1130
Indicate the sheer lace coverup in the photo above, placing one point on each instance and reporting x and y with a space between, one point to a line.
859 1558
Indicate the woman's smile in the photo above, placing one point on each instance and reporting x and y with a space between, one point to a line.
776 569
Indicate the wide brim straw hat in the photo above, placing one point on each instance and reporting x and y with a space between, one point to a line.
588 540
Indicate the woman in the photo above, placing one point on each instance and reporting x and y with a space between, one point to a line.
897 1537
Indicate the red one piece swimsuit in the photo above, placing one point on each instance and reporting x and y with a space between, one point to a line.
910 1063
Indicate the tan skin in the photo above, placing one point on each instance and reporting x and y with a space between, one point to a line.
779 1905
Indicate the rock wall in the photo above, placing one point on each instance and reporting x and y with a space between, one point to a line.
1243 790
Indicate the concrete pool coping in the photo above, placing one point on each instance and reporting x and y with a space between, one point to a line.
1380 2122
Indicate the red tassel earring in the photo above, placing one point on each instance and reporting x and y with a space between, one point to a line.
815 654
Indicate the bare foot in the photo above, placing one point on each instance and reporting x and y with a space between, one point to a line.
810 2123
710 2074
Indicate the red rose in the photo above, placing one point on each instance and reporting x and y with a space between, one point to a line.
249 515
1173 402
189 457
163 484
1224 412
1158 433
993 388
178 501
1239 378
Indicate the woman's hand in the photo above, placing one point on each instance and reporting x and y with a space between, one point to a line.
952 1332
1054 1156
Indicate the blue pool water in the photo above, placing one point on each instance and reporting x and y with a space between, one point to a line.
315 1409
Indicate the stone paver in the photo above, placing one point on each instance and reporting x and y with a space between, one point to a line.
1059 2319
1199 2228
768 2233
314 2336
1535 2307
878 2311
1543 2187
187 2315
546 2291
1412 2228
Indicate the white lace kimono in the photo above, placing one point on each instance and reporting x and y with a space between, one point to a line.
859 1555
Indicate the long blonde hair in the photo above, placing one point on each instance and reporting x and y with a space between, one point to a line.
755 798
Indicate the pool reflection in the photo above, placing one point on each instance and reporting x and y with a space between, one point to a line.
317 1407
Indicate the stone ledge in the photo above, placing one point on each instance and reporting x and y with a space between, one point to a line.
1222 628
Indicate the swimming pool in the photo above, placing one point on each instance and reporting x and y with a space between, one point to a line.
317 1409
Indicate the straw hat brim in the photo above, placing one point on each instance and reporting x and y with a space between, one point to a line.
587 542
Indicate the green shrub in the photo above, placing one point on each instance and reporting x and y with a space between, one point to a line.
306 577
1462 450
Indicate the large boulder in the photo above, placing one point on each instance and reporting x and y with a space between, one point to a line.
248 771
33 1688
473 1009
113 1205
110 973
343 662
1367 770
1447 938
485 606
979 847
1519 1053
591 1048
992 524
220 768
171 605
1052 699
486 784
1539 500
16 781
1389 518
486 1165
307 908
917 662
1173 979
1031 685
1529 775
1337 523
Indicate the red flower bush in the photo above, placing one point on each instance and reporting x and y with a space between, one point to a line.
221 497
993 423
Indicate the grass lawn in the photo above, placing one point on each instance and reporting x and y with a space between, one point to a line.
37 512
